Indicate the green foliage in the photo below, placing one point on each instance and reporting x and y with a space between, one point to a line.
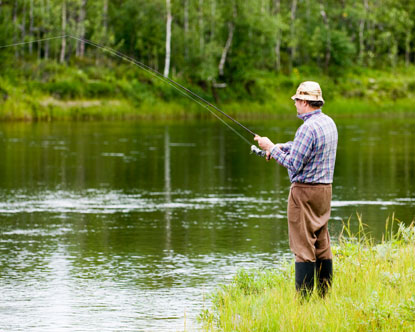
30 89
323 34
274 46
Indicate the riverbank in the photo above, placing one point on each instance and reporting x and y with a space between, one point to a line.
86 90
373 290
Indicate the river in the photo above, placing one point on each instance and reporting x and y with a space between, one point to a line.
131 225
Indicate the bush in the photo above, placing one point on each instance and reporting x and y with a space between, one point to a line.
62 89
96 89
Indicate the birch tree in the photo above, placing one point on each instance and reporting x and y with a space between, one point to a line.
362 24
212 19
63 43
201 27
186 28
168 39
47 22
327 56
292 32
15 29
231 27
31 26
105 16
80 47
408 38
23 24
277 48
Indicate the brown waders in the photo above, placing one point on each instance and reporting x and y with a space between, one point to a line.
308 215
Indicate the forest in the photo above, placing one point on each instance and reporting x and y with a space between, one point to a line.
228 51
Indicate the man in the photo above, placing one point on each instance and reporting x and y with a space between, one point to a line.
310 160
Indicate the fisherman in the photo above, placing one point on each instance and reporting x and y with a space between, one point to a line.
310 160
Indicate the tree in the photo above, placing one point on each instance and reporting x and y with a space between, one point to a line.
231 27
168 39
292 33
80 46
219 40
63 45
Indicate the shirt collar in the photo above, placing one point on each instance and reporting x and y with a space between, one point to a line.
308 115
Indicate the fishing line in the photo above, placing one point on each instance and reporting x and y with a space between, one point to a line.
183 90
33 41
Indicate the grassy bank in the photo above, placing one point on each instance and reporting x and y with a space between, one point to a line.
85 90
373 290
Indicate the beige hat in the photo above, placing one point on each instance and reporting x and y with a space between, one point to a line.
309 91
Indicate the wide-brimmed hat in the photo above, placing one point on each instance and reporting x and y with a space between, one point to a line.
309 91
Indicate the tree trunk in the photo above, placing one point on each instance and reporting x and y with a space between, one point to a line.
212 20
361 41
41 29
81 50
292 32
186 28
39 46
278 36
31 26
408 47
362 24
23 25
105 17
393 52
63 44
327 56
231 27
226 48
46 55
278 53
201 26
168 39
262 49
308 27
16 49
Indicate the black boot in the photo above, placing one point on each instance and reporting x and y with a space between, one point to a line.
324 273
304 278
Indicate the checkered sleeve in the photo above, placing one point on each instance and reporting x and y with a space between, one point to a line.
286 147
299 153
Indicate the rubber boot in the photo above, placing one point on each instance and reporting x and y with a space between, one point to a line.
324 273
304 278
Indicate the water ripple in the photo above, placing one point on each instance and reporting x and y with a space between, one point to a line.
108 202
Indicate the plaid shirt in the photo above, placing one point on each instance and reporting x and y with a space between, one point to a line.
311 156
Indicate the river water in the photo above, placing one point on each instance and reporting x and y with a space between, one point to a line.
130 225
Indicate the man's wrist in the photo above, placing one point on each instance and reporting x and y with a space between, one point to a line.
274 150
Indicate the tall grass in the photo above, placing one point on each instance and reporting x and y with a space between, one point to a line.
47 90
373 290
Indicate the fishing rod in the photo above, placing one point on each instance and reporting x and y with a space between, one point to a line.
182 89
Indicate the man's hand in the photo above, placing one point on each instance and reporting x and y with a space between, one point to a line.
265 144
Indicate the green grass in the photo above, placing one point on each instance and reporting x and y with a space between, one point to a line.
84 90
373 290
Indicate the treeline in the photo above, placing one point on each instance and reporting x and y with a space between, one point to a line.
217 41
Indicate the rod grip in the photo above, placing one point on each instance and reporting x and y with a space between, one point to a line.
258 151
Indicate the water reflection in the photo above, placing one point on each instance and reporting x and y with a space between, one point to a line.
127 226
167 186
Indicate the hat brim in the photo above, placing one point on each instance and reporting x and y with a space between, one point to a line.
307 97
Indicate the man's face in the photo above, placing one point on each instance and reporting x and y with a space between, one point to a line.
300 105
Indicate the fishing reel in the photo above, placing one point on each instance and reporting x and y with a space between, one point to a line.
258 151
